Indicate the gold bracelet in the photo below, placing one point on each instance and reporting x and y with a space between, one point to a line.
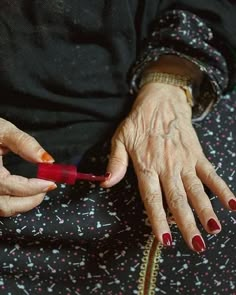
183 82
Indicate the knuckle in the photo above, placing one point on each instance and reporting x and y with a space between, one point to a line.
176 200
7 186
5 190
153 198
160 219
212 176
170 174
224 191
17 187
195 189
144 170
22 139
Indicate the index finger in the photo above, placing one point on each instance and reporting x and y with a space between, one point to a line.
22 143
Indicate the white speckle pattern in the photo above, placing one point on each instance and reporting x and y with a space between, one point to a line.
87 240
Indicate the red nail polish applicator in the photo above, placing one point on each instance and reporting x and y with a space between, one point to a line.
66 173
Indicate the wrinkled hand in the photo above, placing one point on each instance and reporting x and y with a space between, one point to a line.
19 194
169 162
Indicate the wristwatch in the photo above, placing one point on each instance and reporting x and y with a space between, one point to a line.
184 82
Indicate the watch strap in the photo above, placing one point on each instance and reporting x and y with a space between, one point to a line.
183 82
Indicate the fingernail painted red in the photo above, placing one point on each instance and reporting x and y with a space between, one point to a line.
51 187
108 175
213 225
198 244
167 240
232 204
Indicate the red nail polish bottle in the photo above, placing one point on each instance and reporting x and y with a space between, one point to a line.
65 173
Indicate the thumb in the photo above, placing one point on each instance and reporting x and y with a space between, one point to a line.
118 163
22 143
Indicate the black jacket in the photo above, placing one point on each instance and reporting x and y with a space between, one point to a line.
65 65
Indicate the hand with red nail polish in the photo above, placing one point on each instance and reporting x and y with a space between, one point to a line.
169 163
19 194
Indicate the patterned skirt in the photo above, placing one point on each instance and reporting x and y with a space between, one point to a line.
84 240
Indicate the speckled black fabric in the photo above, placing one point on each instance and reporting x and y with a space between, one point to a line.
87 240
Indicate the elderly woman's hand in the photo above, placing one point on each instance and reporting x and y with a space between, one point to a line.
19 194
169 162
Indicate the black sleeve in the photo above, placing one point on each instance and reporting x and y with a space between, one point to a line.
205 34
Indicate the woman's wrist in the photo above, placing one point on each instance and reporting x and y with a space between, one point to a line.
173 64
183 82
168 97
174 70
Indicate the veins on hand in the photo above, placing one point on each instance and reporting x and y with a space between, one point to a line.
169 129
